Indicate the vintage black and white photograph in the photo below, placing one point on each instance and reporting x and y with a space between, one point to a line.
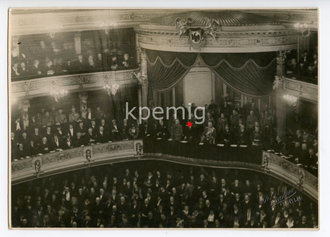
163 118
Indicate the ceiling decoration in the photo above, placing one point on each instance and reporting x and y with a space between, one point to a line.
220 18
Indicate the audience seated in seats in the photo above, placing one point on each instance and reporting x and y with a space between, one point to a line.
306 69
48 64
168 197
226 125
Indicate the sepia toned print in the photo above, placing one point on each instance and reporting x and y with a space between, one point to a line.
163 118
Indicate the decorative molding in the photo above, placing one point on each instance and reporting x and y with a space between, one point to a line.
75 158
300 89
169 39
73 82
289 171
32 21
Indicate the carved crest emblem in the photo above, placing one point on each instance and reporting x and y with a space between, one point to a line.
88 154
196 33
37 166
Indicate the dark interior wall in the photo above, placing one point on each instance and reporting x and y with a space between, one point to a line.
302 115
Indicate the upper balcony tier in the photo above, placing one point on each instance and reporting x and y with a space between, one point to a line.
300 89
66 53
75 82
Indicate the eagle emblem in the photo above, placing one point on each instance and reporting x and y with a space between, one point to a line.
197 33
196 36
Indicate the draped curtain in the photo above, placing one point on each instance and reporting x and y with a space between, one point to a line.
166 69
249 73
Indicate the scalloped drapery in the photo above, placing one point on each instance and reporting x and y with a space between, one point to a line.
249 73
166 69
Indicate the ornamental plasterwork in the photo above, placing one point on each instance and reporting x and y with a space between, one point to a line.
40 86
288 41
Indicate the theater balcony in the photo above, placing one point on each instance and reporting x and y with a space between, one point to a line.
300 89
254 159
77 82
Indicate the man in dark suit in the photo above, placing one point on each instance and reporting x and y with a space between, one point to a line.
25 141
71 131
115 133
101 136
242 136
36 137
68 144
90 136
189 133
56 144
80 140
44 146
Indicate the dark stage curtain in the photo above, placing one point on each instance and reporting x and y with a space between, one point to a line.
166 69
249 73
239 59
249 79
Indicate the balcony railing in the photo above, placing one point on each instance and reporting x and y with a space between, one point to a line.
235 157
72 82
60 161
300 89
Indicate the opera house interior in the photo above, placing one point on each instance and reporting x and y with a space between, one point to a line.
77 160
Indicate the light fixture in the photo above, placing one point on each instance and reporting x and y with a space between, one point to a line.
110 84
111 88
57 92
292 100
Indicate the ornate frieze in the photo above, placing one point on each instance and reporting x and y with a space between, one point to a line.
300 89
279 166
75 82
184 39
45 21
74 158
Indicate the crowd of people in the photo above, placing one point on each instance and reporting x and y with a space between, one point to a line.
26 68
229 123
306 69
55 58
160 195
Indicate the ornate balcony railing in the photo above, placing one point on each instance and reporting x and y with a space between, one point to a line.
300 89
72 82
276 165
61 161
234 157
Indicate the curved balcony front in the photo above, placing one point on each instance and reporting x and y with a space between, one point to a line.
73 82
233 157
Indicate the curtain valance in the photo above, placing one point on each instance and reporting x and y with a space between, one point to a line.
249 73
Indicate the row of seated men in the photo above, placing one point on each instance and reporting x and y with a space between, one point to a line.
26 68
47 131
158 195
226 124
306 69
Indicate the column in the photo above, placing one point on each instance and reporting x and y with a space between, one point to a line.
224 90
83 98
173 97
144 79
280 103
77 42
